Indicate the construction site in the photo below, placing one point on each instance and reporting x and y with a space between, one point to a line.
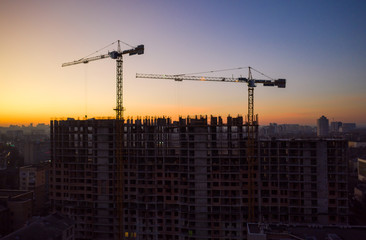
190 179
194 178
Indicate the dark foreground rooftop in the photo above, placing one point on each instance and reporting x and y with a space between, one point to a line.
51 227
305 232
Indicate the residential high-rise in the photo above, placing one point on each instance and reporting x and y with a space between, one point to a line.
322 127
188 179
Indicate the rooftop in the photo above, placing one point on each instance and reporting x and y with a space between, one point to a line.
313 232
50 227
9 193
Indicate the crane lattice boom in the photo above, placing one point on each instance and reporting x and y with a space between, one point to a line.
281 83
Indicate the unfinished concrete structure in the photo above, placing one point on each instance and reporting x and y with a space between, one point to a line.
189 179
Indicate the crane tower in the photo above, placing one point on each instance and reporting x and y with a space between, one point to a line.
117 55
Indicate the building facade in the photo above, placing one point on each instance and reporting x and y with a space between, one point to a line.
189 179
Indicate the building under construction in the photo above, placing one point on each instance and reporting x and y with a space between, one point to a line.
188 179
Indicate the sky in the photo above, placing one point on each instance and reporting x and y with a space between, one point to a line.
318 46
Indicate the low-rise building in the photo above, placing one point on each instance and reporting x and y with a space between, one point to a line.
19 205
35 178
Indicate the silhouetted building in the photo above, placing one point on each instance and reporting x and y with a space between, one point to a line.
52 227
322 127
15 134
189 179
347 127
9 178
335 127
18 205
287 131
4 221
34 178
36 151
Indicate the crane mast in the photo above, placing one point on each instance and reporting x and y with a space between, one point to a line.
252 135
251 121
119 89
119 119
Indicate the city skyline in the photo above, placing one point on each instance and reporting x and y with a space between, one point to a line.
317 46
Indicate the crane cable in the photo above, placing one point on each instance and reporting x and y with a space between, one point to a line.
213 71
86 90
223 70
261 73
105 48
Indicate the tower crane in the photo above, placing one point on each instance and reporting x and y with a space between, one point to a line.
117 55
251 121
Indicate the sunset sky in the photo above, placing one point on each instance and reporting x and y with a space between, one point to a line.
318 46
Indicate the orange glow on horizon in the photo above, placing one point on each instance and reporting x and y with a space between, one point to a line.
264 119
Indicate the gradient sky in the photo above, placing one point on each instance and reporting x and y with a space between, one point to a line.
318 46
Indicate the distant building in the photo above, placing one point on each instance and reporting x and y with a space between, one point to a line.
52 227
35 150
29 153
322 127
347 127
189 179
34 178
19 205
353 144
335 127
286 131
361 168
15 134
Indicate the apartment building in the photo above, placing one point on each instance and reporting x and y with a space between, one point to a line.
83 176
35 178
188 179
